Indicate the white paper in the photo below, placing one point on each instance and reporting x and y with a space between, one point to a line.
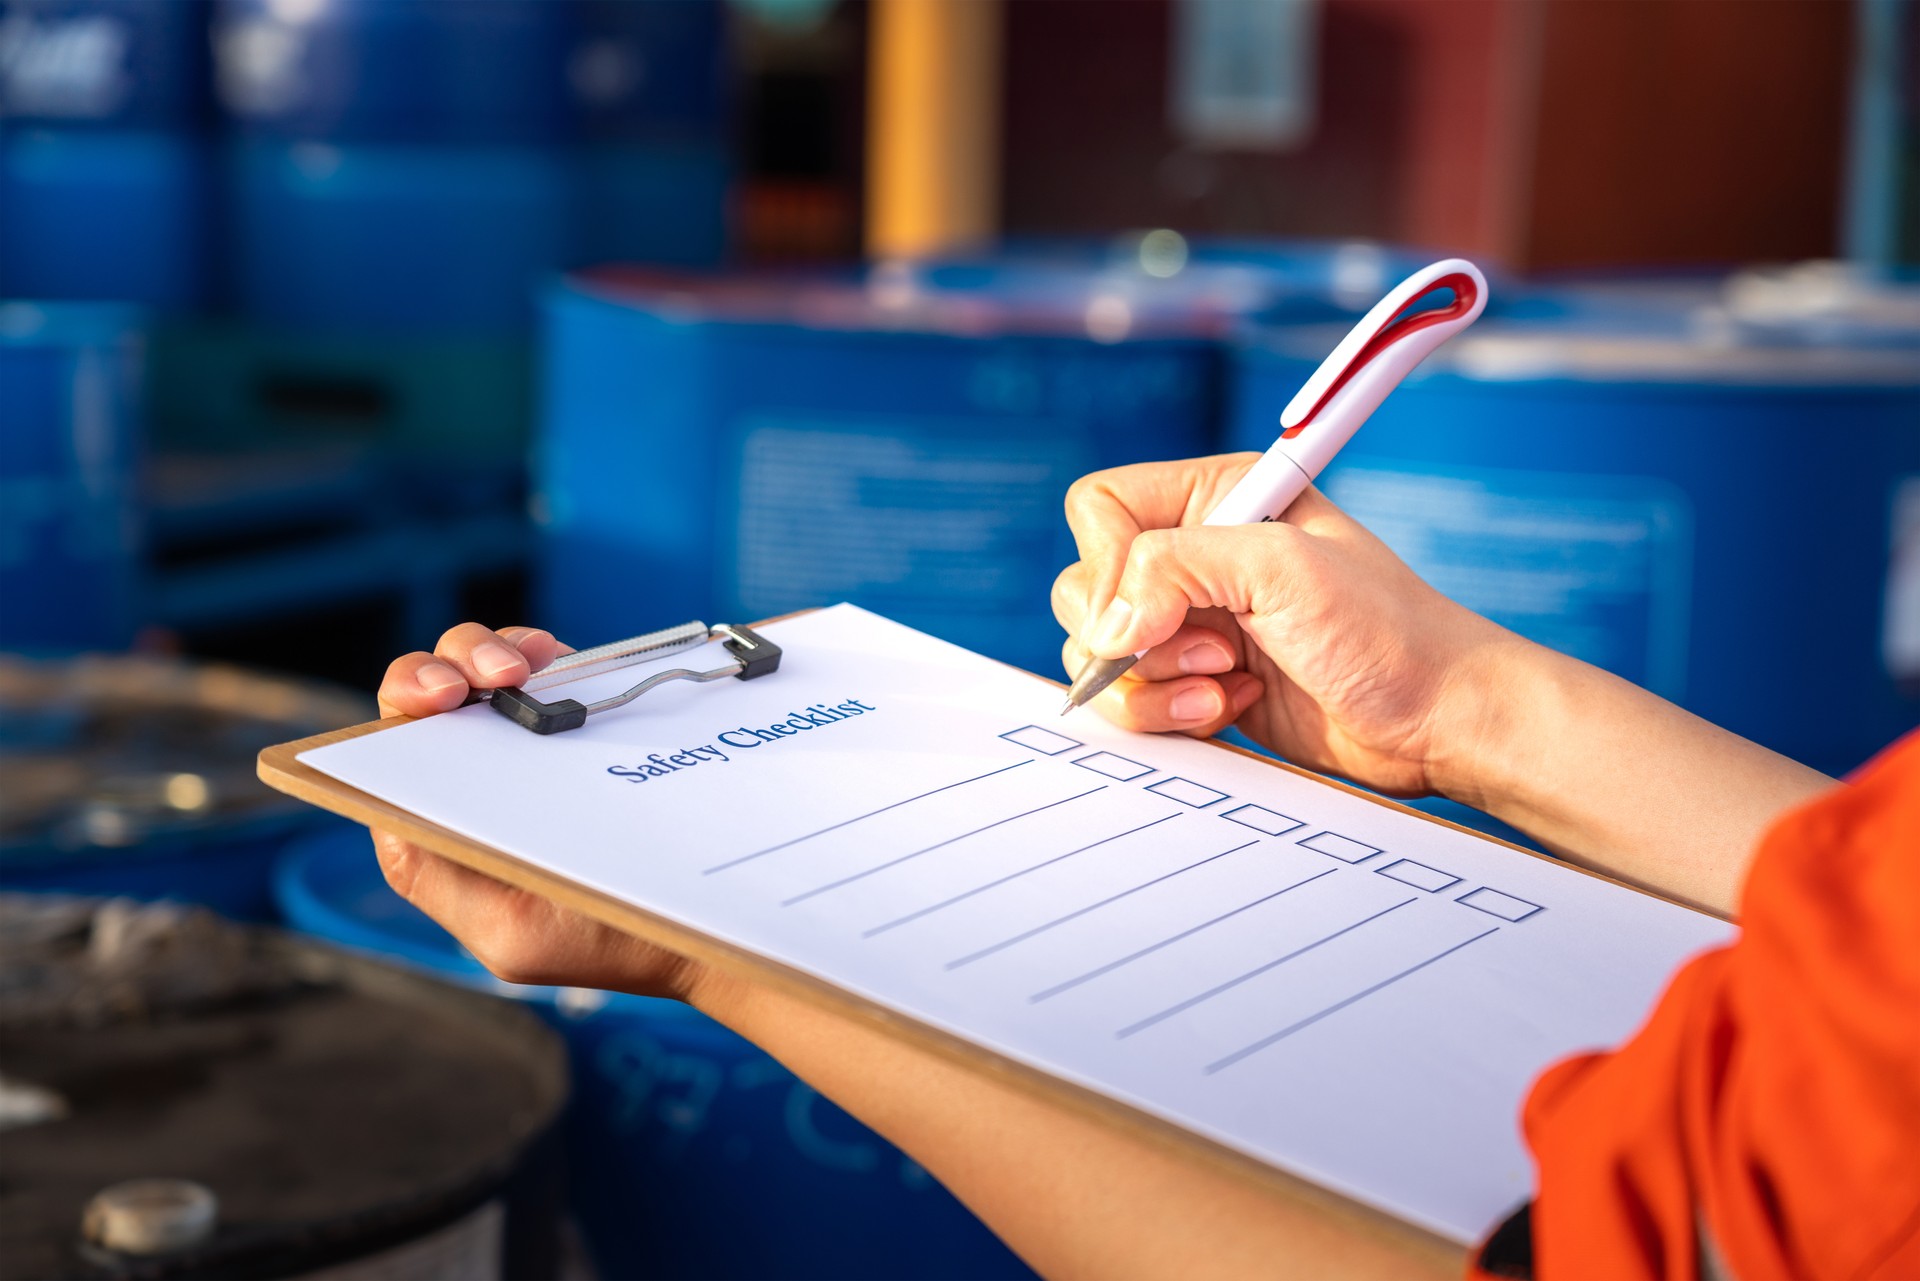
1345 991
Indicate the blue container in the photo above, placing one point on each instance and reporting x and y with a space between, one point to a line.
104 184
1734 526
69 456
489 72
693 1154
380 238
740 449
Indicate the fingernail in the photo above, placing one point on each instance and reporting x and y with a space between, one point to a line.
1111 625
436 678
1191 706
494 660
1204 659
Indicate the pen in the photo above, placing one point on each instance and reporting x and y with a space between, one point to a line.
1323 415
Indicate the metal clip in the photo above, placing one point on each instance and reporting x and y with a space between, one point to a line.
752 654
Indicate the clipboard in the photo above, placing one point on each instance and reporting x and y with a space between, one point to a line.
280 768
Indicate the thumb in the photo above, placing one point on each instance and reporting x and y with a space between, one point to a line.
1244 569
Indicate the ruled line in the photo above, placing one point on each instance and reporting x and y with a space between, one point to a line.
1311 1019
860 876
1258 970
1011 876
1111 966
748 858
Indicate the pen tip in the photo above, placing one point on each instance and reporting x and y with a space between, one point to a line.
1069 707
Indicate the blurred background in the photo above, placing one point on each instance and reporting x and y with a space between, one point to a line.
327 324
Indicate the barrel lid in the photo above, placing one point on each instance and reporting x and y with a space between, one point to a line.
104 753
900 298
1151 284
306 1090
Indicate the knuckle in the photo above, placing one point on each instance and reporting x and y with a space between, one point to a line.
401 870
463 636
1153 549
509 964
1081 494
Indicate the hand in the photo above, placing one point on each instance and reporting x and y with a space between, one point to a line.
520 937
1307 633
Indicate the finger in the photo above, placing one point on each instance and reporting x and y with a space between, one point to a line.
1194 650
535 644
1071 590
1107 510
1197 705
483 656
1244 569
420 685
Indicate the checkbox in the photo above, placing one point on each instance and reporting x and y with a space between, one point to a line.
1262 819
1344 848
1418 875
1043 741
1504 906
1114 766
1187 792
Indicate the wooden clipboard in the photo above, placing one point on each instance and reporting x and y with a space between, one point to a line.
281 769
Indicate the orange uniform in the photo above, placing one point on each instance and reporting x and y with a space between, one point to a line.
1765 1123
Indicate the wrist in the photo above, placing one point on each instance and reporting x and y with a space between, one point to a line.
1495 703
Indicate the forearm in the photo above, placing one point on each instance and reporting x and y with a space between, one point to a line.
1073 1196
1617 779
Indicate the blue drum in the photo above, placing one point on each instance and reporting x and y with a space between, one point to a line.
104 172
747 447
397 166
1708 496
692 1153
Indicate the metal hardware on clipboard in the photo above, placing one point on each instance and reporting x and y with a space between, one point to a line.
752 656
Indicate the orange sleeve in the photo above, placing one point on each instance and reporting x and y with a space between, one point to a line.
1774 1094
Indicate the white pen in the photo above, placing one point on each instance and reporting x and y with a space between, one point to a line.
1343 392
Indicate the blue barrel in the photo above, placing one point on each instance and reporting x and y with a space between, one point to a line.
69 456
135 777
748 447
692 1153
104 173
1640 481
397 166
395 239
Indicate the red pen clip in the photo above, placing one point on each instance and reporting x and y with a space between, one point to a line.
1375 337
